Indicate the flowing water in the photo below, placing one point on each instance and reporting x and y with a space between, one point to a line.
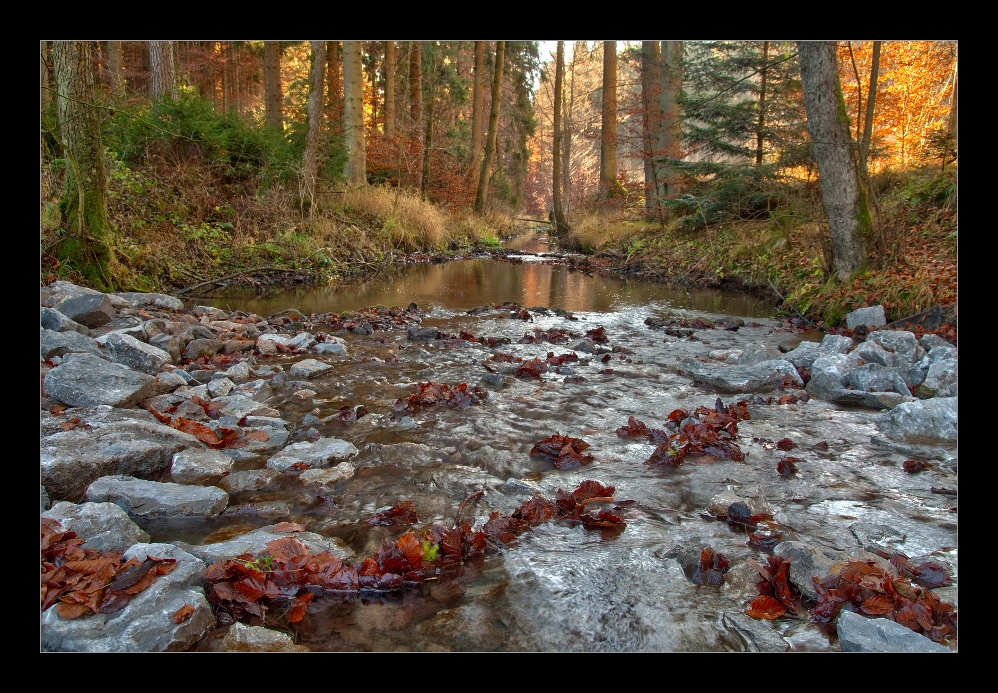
559 586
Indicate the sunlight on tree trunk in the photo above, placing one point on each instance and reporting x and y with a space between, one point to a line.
608 135
353 113
490 144
164 77
273 96
389 89
313 136
842 191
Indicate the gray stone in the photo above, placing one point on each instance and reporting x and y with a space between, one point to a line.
760 377
243 638
52 343
87 380
327 478
212 312
758 634
170 344
941 381
52 319
322 453
199 347
517 487
103 526
200 466
145 624
860 634
255 542
302 341
929 422
92 310
241 405
758 352
493 381
247 480
309 368
421 334
44 498
901 342
220 387
873 377
139 300
129 351
332 348
873 316
930 340
141 498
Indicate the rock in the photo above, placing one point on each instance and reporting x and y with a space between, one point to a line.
242 638
141 498
331 348
309 368
103 526
322 453
760 377
327 478
255 542
900 342
873 316
86 380
145 624
196 348
860 634
247 480
139 300
758 352
92 310
941 381
421 334
52 343
52 319
129 351
758 634
928 422
199 466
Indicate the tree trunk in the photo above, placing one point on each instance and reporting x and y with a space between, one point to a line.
478 106
353 113
871 99
559 78
669 142
164 77
389 89
842 191
46 90
761 123
84 201
115 64
651 123
428 139
490 144
273 97
334 92
608 139
416 104
313 136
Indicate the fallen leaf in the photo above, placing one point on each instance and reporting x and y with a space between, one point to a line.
182 614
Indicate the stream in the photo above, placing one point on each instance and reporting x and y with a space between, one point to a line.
561 587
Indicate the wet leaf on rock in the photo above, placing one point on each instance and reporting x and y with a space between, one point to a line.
915 466
787 467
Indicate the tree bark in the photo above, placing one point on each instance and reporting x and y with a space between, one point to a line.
115 64
559 78
608 135
416 104
164 77
871 99
490 144
334 108
761 122
389 89
651 123
353 113
313 136
478 106
273 96
428 138
84 202
669 142
842 191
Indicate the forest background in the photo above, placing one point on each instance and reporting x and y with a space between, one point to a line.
167 165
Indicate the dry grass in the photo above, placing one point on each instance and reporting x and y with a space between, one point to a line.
592 232
410 223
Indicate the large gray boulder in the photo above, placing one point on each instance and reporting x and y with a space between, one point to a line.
128 351
860 634
138 300
86 380
52 343
942 380
199 466
324 452
759 377
103 526
145 624
142 498
52 319
873 316
71 460
927 422
92 310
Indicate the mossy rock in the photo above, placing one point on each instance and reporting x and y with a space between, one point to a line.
51 217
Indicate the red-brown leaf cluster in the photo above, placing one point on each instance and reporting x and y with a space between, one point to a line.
776 594
711 568
287 574
80 581
786 466
714 434
531 369
915 466
564 452
553 336
873 592
401 513
429 394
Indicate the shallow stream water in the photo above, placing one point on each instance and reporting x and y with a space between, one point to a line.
561 587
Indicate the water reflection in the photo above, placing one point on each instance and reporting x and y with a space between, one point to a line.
463 284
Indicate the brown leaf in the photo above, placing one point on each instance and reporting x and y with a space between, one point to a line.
182 614
289 527
71 424
766 607
258 435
